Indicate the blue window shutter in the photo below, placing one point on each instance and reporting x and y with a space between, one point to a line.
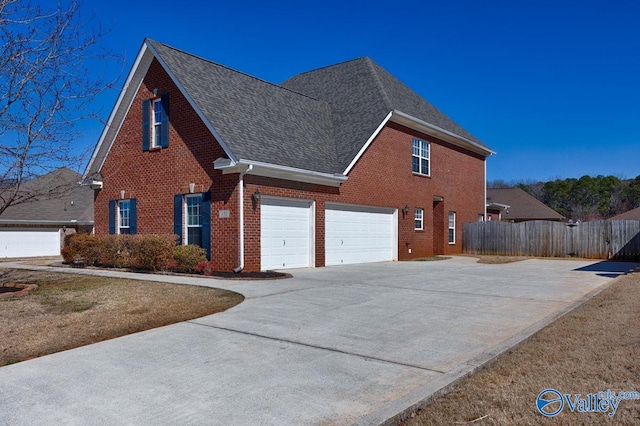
112 217
146 129
164 123
133 217
177 217
206 223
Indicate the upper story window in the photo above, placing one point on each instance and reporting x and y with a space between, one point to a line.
155 123
420 157
418 220
452 227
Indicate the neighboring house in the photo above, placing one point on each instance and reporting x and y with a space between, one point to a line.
37 226
344 164
516 205
629 215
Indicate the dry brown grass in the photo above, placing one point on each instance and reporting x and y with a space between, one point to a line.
68 311
594 348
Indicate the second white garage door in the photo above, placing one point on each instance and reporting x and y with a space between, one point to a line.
355 234
285 233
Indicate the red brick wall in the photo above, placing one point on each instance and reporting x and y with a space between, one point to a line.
382 177
154 177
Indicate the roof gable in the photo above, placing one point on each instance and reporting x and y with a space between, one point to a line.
628 215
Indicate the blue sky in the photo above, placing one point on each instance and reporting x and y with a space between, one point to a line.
551 86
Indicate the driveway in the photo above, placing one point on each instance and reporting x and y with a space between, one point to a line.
339 345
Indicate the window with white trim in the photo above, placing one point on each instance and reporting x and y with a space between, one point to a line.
452 227
420 157
193 222
124 217
156 123
418 220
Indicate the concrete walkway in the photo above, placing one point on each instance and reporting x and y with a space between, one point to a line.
341 345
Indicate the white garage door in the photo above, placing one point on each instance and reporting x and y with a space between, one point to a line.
356 234
29 243
285 233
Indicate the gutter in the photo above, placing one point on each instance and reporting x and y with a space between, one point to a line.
241 214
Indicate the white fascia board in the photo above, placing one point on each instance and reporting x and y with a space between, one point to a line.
498 206
71 222
422 126
366 145
195 106
279 172
130 88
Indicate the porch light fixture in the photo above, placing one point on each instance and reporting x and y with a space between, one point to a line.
255 197
155 92
122 194
192 188
406 209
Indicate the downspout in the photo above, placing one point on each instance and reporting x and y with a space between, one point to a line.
241 215
485 189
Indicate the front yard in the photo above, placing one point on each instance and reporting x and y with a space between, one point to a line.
68 311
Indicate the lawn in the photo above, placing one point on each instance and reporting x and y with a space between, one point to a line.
594 348
67 311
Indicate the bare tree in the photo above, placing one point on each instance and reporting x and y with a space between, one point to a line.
46 89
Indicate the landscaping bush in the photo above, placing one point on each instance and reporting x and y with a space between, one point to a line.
81 248
206 267
188 257
153 252
115 250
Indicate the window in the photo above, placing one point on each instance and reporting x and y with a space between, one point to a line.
192 219
156 116
452 227
193 209
420 157
155 123
418 222
122 216
124 209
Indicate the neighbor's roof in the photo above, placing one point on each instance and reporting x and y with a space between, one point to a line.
522 206
319 120
62 200
629 215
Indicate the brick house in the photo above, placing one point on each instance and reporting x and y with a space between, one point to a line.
344 164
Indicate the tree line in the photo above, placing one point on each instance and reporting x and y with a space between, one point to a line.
586 198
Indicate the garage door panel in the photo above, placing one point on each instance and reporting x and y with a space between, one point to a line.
285 236
29 243
359 235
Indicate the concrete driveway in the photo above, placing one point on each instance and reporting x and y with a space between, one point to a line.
341 345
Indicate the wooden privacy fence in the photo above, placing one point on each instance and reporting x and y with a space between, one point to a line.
600 239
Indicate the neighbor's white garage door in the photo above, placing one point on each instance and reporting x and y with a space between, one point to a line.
285 233
29 243
359 234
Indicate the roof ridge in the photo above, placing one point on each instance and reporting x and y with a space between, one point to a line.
233 69
378 81
331 66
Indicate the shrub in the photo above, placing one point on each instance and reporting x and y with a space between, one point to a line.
187 257
81 248
153 252
206 267
115 250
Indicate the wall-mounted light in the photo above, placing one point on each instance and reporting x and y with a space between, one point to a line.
405 210
255 197
155 92
122 194
192 188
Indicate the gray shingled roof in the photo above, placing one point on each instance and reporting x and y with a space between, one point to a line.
58 190
258 120
522 206
361 93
